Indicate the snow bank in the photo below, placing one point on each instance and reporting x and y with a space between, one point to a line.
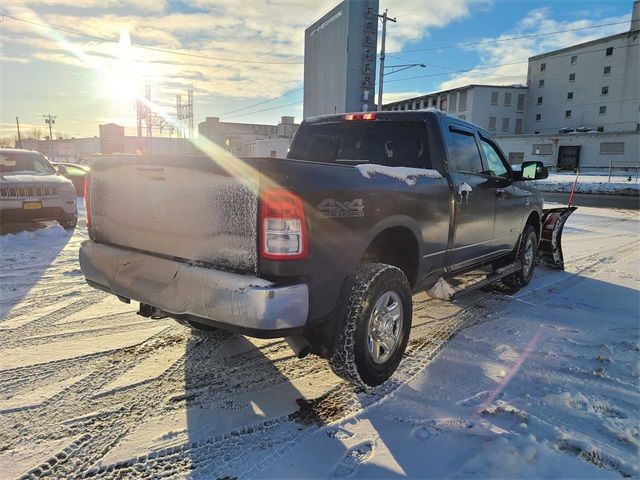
29 239
593 184
406 174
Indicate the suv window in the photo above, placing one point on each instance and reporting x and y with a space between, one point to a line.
463 152
20 161
495 165
390 143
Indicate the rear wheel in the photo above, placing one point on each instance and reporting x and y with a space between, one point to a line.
376 328
526 255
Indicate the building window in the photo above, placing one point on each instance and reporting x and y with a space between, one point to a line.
518 126
494 98
453 101
539 100
521 98
538 117
462 104
505 124
507 99
537 132
609 51
612 147
600 129
604 90
541 83
542 148
569 95
567 114
492 123
516 158
603 110
273 154
572 77
543 67
574 59
607 70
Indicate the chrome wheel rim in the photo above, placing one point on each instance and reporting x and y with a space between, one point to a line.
385 327
527 261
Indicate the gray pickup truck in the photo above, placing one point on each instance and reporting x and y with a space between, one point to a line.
32 190
324 247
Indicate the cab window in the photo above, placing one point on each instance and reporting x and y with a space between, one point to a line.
464 155
495 164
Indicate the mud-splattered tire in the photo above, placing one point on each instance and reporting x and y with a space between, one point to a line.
379 292
527 252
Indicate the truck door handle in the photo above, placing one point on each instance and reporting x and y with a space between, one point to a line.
501 193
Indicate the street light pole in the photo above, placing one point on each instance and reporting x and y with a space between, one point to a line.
384 18
50 120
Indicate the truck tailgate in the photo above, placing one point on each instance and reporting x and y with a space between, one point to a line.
182 207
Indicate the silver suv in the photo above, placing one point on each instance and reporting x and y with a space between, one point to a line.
31 190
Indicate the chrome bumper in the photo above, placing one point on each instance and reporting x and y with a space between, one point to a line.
179 288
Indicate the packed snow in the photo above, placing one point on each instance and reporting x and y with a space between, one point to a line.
541 384
591 183
407 175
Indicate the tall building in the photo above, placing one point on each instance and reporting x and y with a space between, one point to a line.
496 108
340 60
594 84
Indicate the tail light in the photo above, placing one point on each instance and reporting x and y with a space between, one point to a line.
283 226
360 116
87 201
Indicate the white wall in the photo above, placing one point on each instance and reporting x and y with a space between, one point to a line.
622 102
266 147
590 157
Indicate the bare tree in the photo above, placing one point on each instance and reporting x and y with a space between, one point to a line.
61 136
7 142
34 132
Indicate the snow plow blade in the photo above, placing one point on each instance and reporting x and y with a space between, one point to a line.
550 249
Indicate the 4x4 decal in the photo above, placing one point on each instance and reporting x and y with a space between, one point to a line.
332 208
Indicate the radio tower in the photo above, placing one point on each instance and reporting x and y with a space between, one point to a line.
185 112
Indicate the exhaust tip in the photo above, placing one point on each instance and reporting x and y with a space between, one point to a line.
300 345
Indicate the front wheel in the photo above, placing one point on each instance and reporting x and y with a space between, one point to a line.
69 223
527 252
376 327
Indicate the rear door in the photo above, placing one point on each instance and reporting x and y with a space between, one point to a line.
474 195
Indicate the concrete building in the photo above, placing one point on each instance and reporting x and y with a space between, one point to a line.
111 140
240 135
594 84
269 147
340 60
592 152
496 108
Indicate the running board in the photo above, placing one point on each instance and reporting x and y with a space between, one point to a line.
470 286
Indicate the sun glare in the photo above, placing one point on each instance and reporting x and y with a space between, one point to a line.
122 82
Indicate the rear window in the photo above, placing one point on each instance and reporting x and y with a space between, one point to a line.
394 144
17 161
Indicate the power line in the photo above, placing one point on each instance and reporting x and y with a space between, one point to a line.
267 109
146 47
533 35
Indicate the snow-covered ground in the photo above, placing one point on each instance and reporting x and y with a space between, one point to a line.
591 183
541 384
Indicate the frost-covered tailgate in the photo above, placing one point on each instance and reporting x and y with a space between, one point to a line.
187 208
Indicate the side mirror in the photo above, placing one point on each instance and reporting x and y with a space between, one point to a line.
62 170
534 171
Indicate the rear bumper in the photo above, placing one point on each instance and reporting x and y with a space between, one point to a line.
237 302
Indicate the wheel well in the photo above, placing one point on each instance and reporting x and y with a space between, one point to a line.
396 246
534 221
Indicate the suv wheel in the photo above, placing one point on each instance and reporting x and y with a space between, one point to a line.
376 328
527 253
69 223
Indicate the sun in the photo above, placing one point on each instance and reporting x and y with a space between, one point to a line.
122 81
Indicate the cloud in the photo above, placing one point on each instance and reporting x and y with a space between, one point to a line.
512 55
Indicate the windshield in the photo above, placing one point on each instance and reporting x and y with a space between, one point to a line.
394 144
24 162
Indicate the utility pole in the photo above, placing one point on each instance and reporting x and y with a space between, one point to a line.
19 145
384 18
50 120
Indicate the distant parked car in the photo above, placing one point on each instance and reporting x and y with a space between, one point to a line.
76 173
31 190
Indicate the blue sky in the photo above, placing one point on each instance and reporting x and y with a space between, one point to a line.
87 81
